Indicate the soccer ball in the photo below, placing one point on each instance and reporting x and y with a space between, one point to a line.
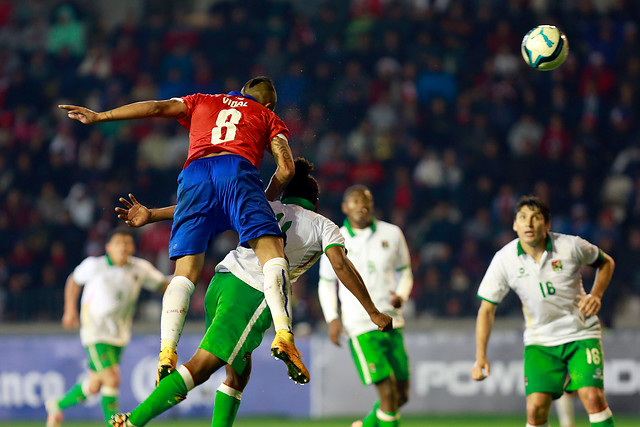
545 47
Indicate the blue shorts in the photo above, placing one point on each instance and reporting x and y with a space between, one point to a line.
216 194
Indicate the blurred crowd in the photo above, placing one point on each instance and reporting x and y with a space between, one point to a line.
427 102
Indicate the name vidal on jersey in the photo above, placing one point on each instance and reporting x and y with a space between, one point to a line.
233 103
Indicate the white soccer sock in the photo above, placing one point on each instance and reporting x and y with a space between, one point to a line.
277 292
85 388
601 416
388 417
186 377
109 391
564 407
229 391
175 304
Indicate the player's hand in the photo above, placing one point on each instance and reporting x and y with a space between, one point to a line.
383 321
70 320
589 305
396 301
81 114
480 370
335 331
135 214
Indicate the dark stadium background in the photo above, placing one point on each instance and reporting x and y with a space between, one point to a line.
428 102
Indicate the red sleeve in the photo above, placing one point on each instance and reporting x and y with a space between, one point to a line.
277 127
190 102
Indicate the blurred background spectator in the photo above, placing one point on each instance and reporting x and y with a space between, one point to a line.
428 103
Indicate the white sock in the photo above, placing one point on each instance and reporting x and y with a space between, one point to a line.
175 304
85 388
564 407
601 416
109 391
277 292
229 391
187 377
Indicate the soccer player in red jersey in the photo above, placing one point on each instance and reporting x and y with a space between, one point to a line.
220 189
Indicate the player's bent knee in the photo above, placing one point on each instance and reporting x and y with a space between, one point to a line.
235 380
593 399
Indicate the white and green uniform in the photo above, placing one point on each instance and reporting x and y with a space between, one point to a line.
237 315
549 291
381 256
109 297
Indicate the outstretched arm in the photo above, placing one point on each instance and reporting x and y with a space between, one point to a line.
135 214
352 280
484 324
285 167
171 109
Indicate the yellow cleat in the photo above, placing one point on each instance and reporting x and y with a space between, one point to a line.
284 348
167 361
121 420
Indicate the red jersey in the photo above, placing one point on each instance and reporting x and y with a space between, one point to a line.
229 123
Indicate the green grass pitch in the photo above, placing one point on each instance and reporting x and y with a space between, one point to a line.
407 421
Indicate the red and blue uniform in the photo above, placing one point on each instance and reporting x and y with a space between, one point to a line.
223 192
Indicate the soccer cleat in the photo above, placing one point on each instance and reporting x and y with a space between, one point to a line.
284 348
121 420
54 414
167 361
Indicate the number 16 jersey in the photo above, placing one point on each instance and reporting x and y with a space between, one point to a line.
233 123
549 290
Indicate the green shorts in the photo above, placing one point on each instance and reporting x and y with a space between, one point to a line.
377 355
546 368
102 356
237 317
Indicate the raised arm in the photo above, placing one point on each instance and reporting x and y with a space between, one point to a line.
484 324
171 109
285 169
352 280
591 303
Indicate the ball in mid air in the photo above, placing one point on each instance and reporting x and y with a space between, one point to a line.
545 47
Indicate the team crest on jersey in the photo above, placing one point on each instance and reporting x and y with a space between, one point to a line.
522 272
385 244
556 265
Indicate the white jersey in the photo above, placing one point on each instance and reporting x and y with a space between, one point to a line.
110 295
549 291
309 235
379 253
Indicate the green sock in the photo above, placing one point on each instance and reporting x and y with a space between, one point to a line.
74 396
225 409
371 420
171 391
387 419
606 423
109 403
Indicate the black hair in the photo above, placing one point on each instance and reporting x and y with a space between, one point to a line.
119 230
260 79
302 185
263 90
354 188
534 202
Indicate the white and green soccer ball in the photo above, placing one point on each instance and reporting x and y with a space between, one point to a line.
545 47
